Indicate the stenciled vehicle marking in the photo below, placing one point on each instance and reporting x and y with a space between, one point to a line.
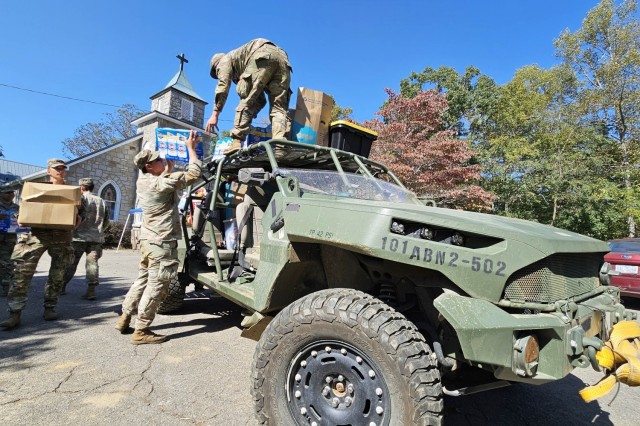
321 234
444 257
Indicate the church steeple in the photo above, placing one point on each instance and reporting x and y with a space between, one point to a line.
179 100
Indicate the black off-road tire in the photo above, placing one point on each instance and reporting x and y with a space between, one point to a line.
174 299
343 357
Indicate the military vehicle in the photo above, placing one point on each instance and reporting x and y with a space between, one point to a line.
368 304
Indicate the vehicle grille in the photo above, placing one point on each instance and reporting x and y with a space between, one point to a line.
557 277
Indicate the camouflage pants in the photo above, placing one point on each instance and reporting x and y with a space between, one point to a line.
26 255
93 252
7 243
158 267
268 72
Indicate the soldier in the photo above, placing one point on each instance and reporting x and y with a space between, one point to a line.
257 67
8 224
158 192
88 239
26 255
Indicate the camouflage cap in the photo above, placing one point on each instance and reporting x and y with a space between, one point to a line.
215 60
55 162
85 181
143 157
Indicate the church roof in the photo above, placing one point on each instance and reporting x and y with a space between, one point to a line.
181 83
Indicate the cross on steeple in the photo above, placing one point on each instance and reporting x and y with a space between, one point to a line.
182 60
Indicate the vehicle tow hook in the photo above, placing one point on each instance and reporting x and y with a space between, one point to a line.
592 344
619 357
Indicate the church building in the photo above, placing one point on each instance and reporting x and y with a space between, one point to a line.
114 175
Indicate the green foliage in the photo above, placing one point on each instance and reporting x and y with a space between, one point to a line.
93 136
470 96
112 235
339 113
605 54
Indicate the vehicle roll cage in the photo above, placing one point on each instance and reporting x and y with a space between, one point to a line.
272 154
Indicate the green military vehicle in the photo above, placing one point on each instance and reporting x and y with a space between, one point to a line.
369 305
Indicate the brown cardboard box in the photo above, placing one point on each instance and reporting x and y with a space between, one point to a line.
49 206
311 118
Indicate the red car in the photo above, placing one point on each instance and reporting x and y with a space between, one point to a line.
625 259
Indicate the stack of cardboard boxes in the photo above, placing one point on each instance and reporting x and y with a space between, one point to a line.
49 206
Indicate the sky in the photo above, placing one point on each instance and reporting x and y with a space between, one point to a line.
122 52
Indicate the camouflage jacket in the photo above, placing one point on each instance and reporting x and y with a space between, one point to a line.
95 221
231 67
158 197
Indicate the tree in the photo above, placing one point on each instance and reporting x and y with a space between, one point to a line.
93 136
470 96
339 113
542 159
605 54
429 160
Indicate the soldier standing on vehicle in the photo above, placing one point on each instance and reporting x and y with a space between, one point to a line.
88 239
8 239
158 192
27 253
256 68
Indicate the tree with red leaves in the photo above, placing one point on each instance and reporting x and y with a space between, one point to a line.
430 160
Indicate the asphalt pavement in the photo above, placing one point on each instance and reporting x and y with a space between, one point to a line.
80 370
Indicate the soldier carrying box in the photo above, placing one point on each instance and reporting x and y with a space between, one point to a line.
26 254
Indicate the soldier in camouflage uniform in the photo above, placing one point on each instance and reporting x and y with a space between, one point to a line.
8 220
26 255
256 68
158 190
88 239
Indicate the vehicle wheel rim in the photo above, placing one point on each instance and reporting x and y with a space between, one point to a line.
331 382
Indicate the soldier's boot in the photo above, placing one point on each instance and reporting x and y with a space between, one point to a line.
12 322
90 294
234 147
123 323
50 314
146 337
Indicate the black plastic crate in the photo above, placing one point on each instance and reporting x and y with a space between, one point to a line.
351 137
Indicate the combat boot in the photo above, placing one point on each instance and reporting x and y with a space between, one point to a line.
123 323
146 337
12 322
235 147
90 294
50 314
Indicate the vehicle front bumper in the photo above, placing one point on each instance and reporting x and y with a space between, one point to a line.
487 334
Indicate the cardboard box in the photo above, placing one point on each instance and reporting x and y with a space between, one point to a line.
221 146
311 119
171 144
8 221
256 135
49 206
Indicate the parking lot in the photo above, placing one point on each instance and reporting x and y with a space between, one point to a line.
80 370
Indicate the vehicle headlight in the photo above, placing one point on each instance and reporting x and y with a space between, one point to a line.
426 233
526 352
457 239
397 228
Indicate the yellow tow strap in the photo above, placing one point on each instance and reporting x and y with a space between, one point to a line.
622 353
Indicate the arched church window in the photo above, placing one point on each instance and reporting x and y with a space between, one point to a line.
110 196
